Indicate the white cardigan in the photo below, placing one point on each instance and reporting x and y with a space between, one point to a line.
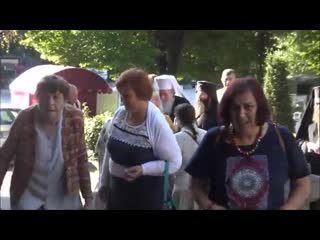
163 142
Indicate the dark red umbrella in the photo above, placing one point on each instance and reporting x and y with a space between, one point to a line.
85 80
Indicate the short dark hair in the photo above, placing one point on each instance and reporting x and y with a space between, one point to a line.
238 87
186 113
53 84
138 80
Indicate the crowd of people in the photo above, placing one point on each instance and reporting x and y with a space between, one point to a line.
223 153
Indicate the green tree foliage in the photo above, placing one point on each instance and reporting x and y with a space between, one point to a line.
7 38
276 89
101 49
193 53
197 54
9 42
301 51
207 53
93 126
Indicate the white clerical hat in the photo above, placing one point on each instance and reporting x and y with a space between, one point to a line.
164 82
167 82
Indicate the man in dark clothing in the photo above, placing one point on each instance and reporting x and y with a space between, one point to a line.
308 136
308 133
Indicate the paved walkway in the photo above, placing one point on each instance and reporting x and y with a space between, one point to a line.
5 198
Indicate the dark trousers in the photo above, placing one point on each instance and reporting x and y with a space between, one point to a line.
315 205
314 161
42 208
145 193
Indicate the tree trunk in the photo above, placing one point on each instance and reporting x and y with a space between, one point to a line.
158 37
261 54
175 46
170 45
162 63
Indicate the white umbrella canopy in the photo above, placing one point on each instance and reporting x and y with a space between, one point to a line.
28 80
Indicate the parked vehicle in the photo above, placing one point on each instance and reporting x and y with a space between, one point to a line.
7 117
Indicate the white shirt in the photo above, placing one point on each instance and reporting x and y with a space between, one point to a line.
220 93
188 147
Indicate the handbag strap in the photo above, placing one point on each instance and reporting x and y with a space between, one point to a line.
280 138
166 182
191 137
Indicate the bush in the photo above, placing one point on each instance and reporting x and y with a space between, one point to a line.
276 89
92 128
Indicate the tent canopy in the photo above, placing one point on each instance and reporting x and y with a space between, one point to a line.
82 78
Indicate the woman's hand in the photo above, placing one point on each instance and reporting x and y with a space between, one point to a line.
200 191
312 147
88 204
132 173
286 207
102 193
207 204
217 207
299 193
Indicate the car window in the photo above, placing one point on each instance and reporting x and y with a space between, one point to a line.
6 117
14 113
